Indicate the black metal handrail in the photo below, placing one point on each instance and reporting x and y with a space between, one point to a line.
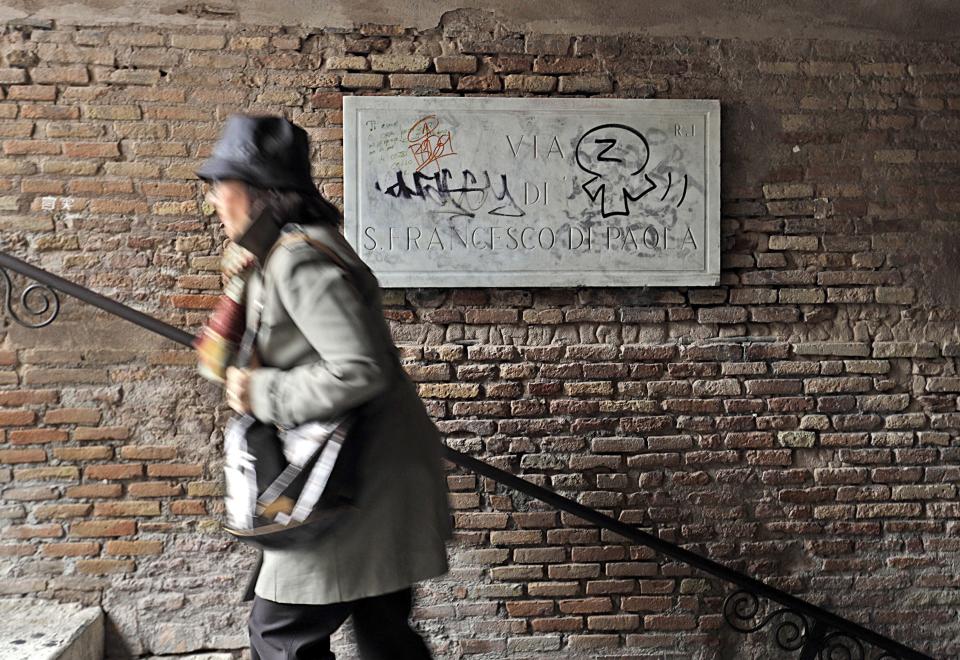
803 626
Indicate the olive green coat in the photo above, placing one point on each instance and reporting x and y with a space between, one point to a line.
325 349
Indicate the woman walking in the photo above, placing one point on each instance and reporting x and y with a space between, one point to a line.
324 348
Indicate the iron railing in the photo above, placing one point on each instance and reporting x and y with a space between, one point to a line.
799 625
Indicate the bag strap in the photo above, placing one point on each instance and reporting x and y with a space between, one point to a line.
293 237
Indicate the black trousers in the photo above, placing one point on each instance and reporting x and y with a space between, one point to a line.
284 631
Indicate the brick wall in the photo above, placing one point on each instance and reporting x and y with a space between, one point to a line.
798 421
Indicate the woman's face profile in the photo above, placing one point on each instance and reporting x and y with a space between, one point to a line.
230 200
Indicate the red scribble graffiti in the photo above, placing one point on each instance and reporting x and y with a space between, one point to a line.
428 144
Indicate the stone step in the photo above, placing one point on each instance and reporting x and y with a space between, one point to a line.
48 630
196 656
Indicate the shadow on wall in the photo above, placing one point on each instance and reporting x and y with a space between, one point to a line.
931 263
114 643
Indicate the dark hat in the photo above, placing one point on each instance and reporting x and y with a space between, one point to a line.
263 150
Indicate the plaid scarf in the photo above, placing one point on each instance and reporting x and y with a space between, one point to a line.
219 338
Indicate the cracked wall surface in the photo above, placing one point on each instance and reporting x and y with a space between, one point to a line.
729 19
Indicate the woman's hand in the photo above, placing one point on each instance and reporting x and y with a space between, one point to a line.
238 389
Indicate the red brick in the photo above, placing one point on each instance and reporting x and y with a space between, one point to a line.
101 433
613 622
32 531
10 456
127 508
72 416
30 494
17 417
102 528
94 491
96 453
586 605
104 566
174 470
154 489
148 452
48 511
91 149
188 508
36 436
32 92
529 607
133 548
79 549
114 471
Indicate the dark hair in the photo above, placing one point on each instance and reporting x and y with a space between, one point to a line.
292 206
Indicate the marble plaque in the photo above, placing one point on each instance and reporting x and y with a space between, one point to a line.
444 191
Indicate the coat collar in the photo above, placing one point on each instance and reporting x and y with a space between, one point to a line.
260 236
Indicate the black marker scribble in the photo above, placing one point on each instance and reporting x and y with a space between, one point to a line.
617 178
437 189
